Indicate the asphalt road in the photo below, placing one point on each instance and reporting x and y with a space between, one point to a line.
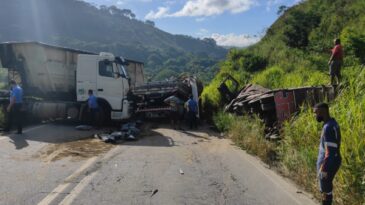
55 164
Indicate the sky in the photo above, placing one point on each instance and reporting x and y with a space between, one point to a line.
238 23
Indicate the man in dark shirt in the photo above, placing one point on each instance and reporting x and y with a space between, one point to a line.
336 61
329 157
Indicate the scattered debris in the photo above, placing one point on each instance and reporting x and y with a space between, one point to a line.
181 172
84 127
154 192
128 132
194 143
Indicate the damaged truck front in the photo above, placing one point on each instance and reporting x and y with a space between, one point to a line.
149 97
56 80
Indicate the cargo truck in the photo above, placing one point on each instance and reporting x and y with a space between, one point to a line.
56 80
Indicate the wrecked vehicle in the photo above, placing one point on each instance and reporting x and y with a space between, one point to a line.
273 106
149 97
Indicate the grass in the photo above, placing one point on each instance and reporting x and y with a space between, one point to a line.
247 132
297 152
299 148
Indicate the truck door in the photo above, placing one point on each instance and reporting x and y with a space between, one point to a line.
110 84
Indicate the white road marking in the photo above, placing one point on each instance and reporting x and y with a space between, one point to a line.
77 190
67 182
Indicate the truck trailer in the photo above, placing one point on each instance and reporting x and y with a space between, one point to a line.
56 80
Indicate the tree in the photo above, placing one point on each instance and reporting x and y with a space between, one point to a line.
281 10
128 13
298 26
210 41
149 22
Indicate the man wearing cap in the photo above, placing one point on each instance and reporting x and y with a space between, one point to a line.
329 157
15 106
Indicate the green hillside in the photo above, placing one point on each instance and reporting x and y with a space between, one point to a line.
77 24
295 52
296 48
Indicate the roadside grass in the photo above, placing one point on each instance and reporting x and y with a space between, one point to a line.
297 151
299 148
247 132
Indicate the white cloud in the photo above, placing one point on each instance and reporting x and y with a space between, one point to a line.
204 8
202 32
120 2
160 13
232 40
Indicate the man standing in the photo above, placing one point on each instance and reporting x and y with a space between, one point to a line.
93 107
335 62
192 107
175 112
329 157
14 108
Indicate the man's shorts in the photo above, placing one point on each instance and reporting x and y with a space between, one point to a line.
335 68
326 184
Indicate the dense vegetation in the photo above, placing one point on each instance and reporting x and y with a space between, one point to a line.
295 52
77 24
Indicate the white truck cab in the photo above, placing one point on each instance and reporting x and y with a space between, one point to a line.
106 76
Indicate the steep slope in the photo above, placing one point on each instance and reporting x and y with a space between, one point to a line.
295 52
77 24
296 48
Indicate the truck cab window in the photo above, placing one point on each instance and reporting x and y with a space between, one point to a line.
106 69
122 71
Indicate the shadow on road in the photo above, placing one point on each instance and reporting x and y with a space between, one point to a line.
19 141
154 139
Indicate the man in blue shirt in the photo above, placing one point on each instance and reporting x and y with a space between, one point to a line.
15 106
93 107
329 157
192 108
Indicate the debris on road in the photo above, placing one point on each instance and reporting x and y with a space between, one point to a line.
84 127
128 132
181 172
154 192
75 150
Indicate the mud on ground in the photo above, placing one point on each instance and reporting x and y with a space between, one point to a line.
76 150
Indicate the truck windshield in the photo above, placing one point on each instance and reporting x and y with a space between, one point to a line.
122 71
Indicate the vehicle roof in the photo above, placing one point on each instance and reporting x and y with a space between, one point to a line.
59 47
